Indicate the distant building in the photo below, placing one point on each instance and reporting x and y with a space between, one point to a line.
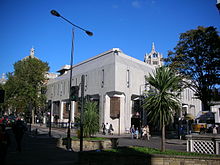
3 79
154 58
31 55
48 75
116 82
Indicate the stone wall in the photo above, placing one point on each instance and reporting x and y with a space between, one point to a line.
99 158
89 145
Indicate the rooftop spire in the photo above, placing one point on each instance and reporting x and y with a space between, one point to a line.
32 52
153 47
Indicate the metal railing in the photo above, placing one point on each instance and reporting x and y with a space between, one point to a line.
208 143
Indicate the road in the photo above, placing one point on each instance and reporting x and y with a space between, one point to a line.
41 149
123 140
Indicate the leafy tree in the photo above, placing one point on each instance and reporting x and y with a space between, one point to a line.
162 100
197 57
23 88
90 119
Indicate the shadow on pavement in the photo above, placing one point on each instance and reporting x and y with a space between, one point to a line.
39 149
123 156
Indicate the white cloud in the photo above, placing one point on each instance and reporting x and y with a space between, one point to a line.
115 6
136 4
153 1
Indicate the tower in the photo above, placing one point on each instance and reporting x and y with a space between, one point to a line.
32 52
154 58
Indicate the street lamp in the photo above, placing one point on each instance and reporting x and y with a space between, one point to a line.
55 13
218 5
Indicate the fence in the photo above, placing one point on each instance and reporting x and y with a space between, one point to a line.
208 143
62 125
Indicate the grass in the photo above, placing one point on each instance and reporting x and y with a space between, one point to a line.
150 151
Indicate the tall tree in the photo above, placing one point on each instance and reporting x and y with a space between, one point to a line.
197 57
162 100
23 88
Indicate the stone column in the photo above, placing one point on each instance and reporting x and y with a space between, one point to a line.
72 111
61 111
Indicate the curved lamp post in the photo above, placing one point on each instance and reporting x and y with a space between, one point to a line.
89 33
218 5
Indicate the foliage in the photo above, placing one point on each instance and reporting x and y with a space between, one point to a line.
150 151
90 119
162 100
24 84
197 57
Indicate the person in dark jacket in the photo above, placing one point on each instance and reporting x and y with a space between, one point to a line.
18 130
4 143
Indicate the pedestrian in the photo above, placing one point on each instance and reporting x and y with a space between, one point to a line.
111 129
132 131
103 128
107 128
181 131
18 130
144 132
136 132
214 130
148 132
4 143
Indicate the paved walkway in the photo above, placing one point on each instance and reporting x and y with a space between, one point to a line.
125 139
41 149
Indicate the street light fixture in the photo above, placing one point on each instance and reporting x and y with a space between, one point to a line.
55 13
218 5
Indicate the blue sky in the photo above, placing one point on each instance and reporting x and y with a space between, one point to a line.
131 25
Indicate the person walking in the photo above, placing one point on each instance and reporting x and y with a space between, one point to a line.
144 132
132 131
137 133
18 130
111 129
214 130
4 143
103 128
148 132
107 128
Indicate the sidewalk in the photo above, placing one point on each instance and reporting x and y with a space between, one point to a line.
125 139
39 150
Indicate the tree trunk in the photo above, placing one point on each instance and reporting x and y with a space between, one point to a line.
32 116
163 138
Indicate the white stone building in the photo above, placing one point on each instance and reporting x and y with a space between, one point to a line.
113 79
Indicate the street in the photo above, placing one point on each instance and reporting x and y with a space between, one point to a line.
41 149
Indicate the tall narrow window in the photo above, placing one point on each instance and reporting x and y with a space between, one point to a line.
61 88
64 87
128 78
103 78
86 82
58 89
54 90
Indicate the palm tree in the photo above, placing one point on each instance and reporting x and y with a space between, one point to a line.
90 119
162 100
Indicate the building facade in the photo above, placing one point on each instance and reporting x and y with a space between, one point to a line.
115 81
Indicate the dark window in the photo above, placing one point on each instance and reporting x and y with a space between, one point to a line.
114 107
155 62
103 78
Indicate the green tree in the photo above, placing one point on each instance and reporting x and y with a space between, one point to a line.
23 88
162 100
197 57
90 119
